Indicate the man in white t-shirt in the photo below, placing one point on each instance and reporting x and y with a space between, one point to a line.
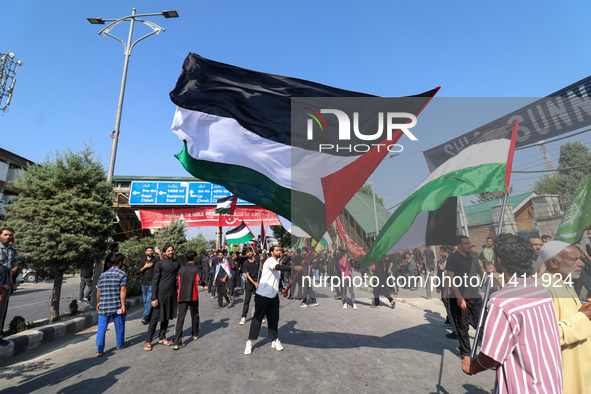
266 301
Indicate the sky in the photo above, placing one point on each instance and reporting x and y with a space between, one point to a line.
68 87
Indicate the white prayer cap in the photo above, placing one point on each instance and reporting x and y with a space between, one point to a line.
551 249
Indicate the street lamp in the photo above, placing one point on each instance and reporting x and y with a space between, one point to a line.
128 47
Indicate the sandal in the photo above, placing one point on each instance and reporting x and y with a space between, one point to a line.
393 304
125 345
165 342
99 354
148 347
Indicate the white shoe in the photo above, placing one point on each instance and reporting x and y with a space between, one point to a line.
242 321
277 345
248 348
264 321
344 306
354 307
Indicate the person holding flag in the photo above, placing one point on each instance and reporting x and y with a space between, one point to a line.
267 300
222 273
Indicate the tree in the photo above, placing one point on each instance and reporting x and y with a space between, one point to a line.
366 189
173 234
570 182
490 196
62 215
545 185
283 236
199 244
134 250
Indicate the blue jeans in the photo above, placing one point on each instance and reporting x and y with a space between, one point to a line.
316 274
103 322
147 292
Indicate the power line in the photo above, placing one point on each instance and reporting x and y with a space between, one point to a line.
558 169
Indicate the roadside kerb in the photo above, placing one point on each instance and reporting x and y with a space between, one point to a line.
30 339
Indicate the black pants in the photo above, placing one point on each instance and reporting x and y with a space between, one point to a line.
221 289
249 290
296 284
265 306
308 292
231 285
85 283
463 319
381 291
153 323
180 320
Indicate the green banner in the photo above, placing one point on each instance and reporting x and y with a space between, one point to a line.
577 217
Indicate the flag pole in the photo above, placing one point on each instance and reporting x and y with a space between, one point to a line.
286 291
464 217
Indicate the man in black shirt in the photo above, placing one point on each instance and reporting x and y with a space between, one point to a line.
251 271
146 268
429 259
188 297
467 305
114 250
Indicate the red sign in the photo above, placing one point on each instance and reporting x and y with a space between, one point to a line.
206 216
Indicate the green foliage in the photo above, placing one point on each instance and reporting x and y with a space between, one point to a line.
63 212
283 237
545 185
199 244
17 324
173 234
134 288
366 189
569 183
73 308
134 250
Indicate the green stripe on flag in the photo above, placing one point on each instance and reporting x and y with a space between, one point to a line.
429 197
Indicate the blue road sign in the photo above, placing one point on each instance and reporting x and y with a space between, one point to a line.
143 193
178 193
172 193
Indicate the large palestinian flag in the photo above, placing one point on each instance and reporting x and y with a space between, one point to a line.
236 125
482 167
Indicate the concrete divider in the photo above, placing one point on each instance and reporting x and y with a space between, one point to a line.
30 339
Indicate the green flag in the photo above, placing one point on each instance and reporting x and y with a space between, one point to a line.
577 217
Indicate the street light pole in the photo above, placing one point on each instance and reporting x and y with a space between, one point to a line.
128 47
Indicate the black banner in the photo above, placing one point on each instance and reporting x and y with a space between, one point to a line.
561 112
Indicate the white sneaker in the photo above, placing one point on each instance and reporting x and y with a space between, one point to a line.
242 321
277 345
248 348
303 305
344 306
264 321
354 307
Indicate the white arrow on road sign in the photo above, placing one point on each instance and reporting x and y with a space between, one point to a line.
135 192
161 193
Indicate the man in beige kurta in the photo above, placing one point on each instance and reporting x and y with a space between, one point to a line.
564 265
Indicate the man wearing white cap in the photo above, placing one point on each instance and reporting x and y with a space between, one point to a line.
574 321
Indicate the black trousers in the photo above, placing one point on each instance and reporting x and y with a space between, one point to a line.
153 323
180 320
381 291
231 285
265 306
297 284
221 289
308 292
85 283
463 319
249 290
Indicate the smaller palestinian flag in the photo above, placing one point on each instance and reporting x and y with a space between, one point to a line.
227 205
239 234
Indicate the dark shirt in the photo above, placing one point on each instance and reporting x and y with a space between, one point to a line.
188 281
148 273
221 273
5 277
86 272
429 258
297 261
164 281
460 265
108 261
251 269
315 262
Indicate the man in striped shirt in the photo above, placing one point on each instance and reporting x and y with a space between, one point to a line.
521 336
110 297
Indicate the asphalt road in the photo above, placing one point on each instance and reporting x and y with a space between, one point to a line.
326 350
32 300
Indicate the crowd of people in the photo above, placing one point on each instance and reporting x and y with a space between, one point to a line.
536 331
